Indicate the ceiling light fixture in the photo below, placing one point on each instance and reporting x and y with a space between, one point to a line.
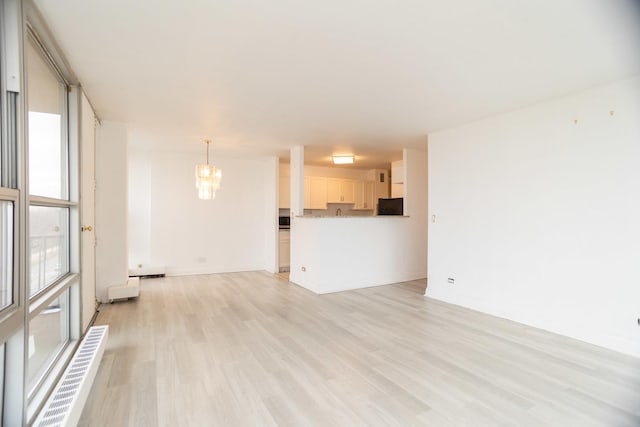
342 160
208 178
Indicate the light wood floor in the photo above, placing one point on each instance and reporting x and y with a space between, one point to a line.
251 349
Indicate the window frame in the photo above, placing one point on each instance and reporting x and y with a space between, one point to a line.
65 201
12 182
21 22
12 196
3 365
35 396
57 362
59 279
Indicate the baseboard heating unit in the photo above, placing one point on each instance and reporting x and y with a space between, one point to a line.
147 272
65 404
130 290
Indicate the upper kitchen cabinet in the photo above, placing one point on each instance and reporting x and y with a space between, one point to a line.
365 193
397 172
315 192
341 190
397 179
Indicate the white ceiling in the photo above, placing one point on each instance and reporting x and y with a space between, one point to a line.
361 75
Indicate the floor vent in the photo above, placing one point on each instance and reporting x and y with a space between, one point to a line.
64 407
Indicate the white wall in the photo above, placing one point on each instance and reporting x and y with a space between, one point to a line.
349 253
538 217
111 207
187 235
139 214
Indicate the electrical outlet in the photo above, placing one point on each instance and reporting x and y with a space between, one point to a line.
304 268
451 280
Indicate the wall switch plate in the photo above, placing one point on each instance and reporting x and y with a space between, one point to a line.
304 268
450 280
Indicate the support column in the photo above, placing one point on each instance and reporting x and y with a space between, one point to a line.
297 180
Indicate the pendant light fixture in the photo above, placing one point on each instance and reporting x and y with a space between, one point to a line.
208 178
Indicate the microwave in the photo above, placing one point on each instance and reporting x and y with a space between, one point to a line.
284 221
391 206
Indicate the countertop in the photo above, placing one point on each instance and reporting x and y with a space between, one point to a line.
352 216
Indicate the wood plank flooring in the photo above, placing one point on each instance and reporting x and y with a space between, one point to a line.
250 349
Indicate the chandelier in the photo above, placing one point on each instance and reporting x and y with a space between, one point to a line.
208 178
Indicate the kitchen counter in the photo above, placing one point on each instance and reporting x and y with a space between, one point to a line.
337 253
352 216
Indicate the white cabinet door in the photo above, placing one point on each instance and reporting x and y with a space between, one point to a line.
397 172
318 193
369 195
341 190
334 190
364 195
307 193
284 246
359 195
348 191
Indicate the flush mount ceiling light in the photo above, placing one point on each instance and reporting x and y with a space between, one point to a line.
208 178
342 160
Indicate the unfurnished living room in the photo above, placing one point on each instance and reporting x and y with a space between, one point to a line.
218 213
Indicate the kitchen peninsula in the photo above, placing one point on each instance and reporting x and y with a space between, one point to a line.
332 253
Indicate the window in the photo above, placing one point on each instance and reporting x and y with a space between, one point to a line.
48 246
39 228
51 215
6 253
48 160
48 334
47 135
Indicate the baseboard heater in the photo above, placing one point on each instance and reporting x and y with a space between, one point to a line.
64 406
129 290
147 272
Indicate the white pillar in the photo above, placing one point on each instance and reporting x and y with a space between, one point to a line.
297 180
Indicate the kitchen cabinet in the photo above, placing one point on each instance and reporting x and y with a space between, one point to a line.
307 192
397 179
284 248
341 190
315 192
365 193
284 191
397 172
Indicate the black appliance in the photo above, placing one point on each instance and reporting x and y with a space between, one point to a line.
284 222
390 206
